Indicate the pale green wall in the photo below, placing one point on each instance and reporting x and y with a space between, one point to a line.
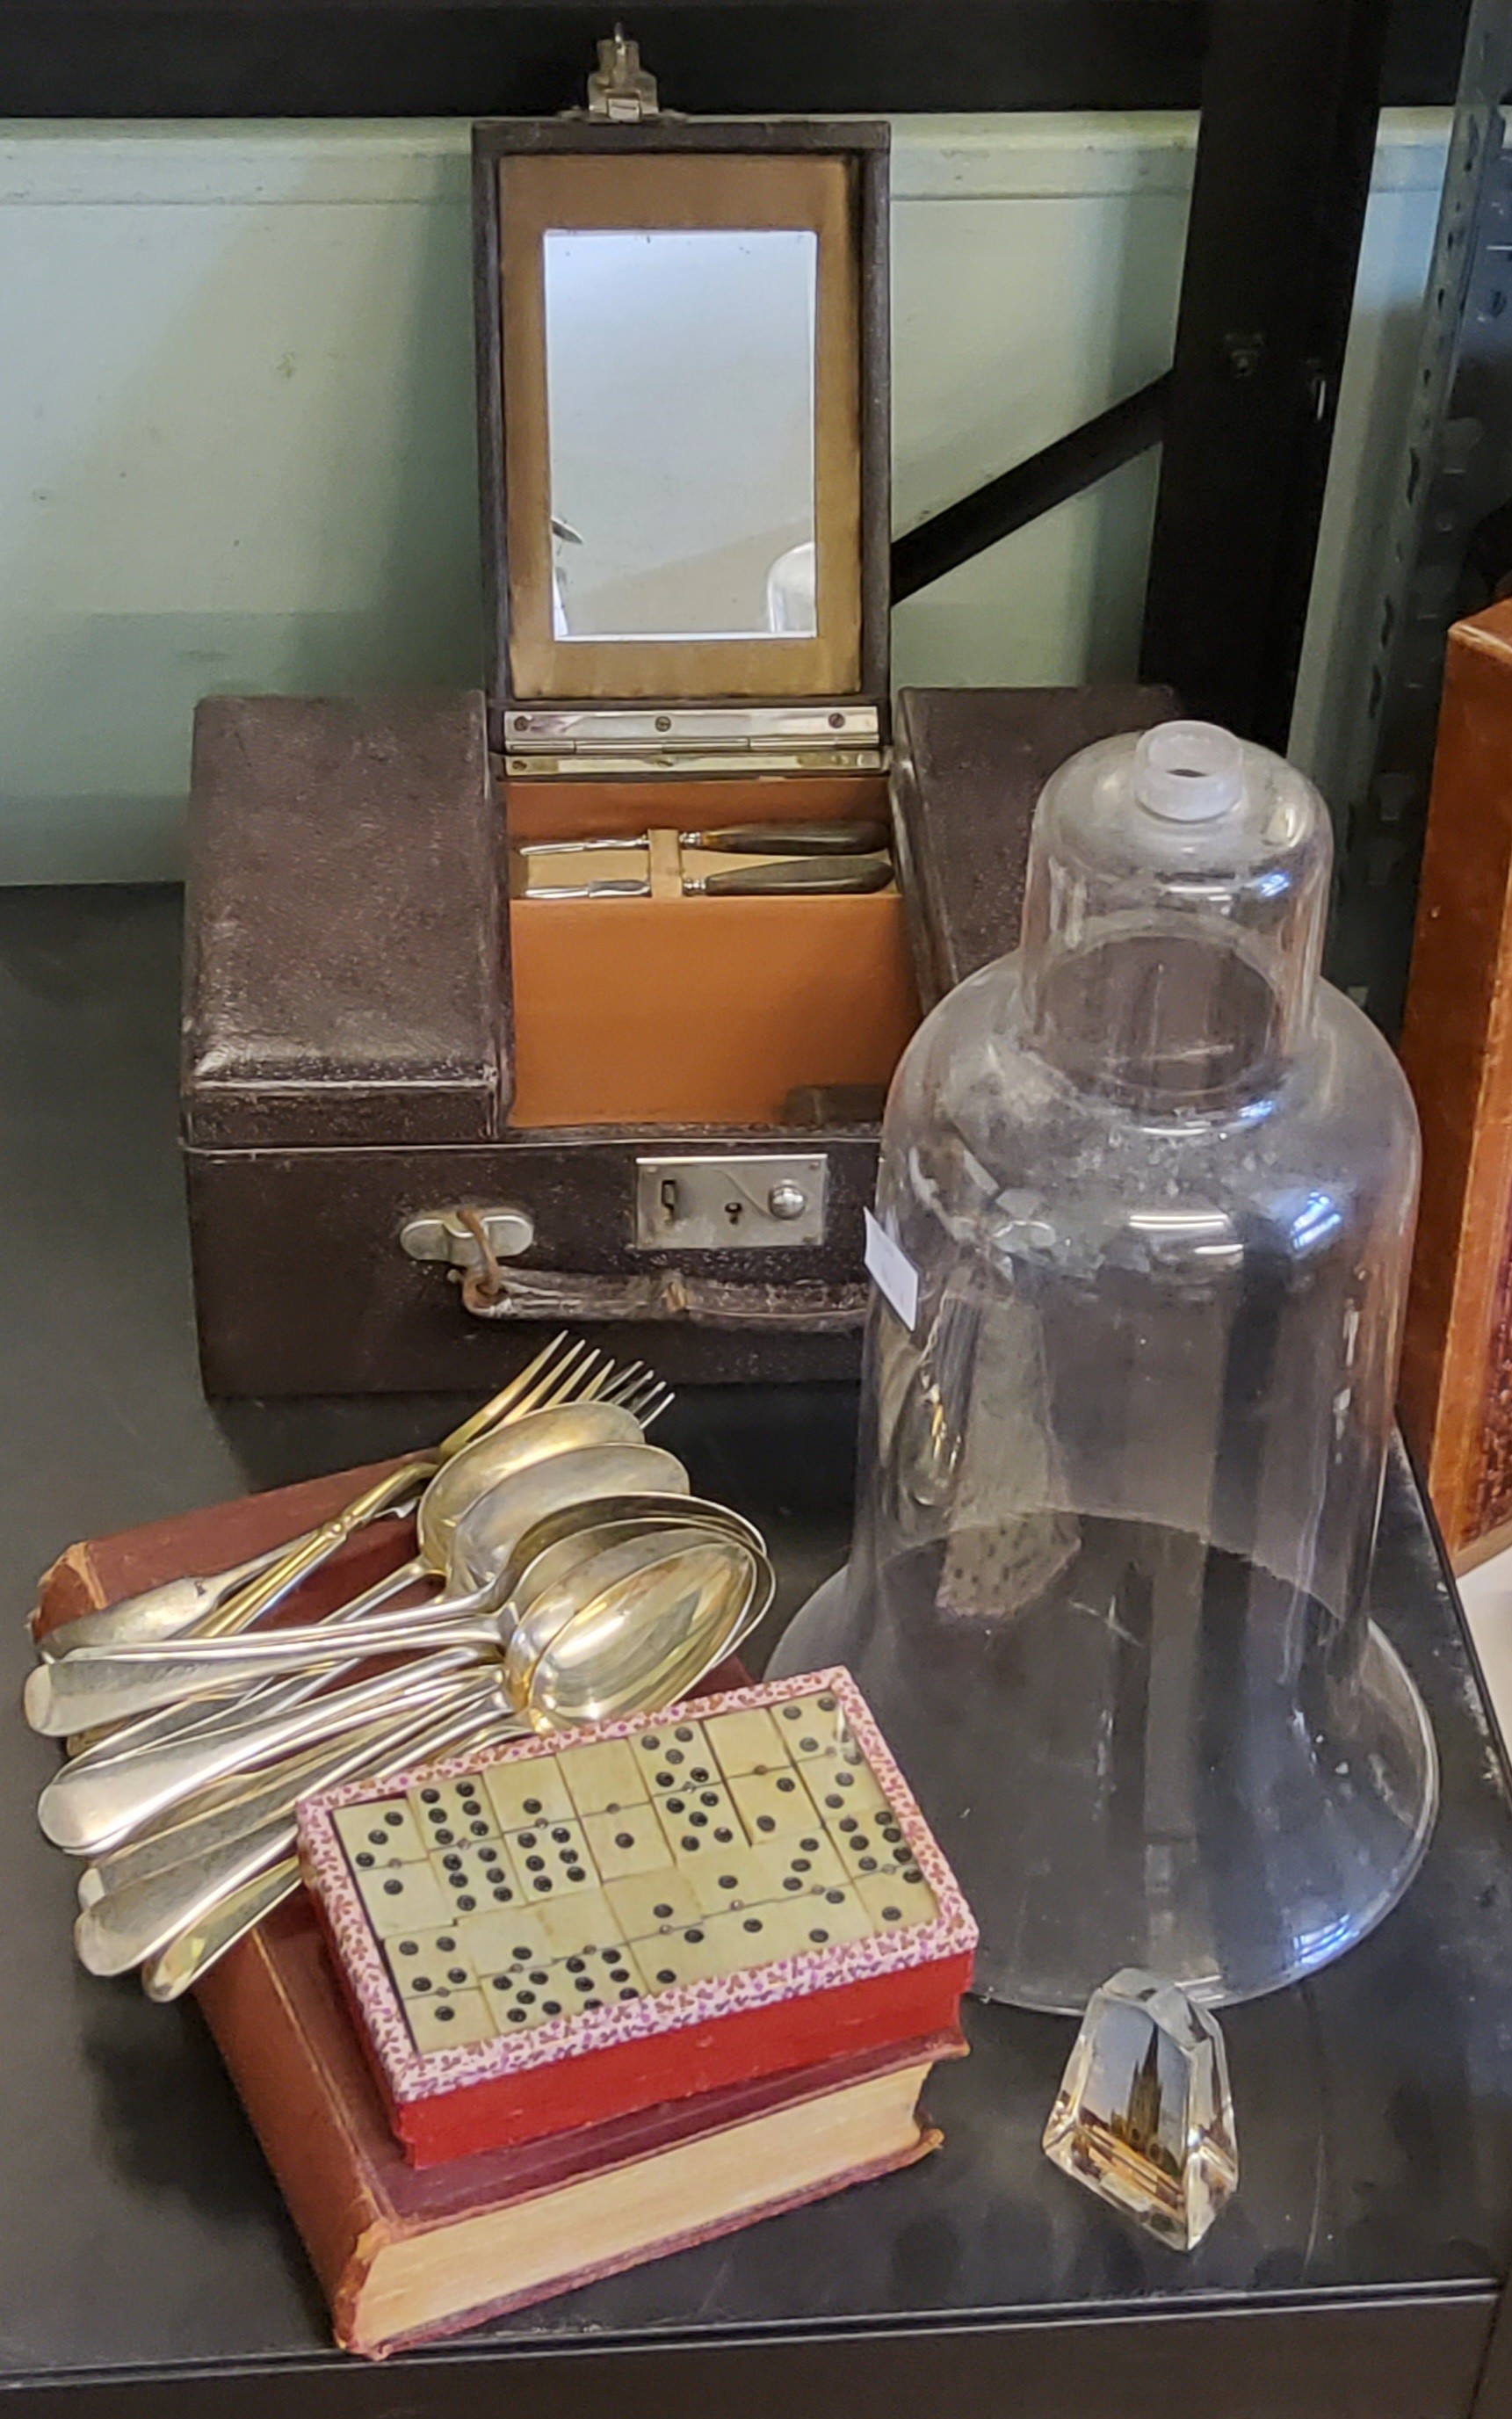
235 426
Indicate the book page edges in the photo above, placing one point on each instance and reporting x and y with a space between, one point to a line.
455 2277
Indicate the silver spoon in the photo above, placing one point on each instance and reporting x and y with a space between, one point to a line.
92 1807
710 1621
644 1399
192 1953
177 1606
92 1686
163 1891
228 1810
127 1925
93 1810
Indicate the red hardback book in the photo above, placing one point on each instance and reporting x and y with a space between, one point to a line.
405 2254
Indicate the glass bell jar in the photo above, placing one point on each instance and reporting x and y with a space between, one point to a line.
1146 1204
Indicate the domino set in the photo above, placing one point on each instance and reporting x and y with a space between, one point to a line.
559 1930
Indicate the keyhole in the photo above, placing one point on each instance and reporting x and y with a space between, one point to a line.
732 1210
668 1195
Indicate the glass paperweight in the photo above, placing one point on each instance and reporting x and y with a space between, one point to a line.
1144 2116
1151 1184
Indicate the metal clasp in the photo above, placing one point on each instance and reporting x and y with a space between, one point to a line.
621 89
722 1204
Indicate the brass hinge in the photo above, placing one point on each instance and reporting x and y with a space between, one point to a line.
694 739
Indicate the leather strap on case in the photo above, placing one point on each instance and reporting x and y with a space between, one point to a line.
662 1294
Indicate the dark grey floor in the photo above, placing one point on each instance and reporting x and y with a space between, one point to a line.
146 2264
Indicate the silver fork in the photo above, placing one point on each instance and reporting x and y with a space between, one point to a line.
595 1378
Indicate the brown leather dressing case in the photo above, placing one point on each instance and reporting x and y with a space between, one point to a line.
431 1106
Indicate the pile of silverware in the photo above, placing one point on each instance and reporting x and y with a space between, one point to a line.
570 1578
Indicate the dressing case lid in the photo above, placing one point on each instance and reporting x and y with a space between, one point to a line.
672 591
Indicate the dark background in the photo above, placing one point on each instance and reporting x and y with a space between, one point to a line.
354 58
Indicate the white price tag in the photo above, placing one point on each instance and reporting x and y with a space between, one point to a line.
896 1276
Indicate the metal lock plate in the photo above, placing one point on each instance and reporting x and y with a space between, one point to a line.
441 1235
722 1204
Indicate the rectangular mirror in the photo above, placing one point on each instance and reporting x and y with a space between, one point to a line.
680 412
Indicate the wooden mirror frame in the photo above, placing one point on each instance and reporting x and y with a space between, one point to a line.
683 188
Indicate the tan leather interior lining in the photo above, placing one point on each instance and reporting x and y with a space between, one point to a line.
699 1012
